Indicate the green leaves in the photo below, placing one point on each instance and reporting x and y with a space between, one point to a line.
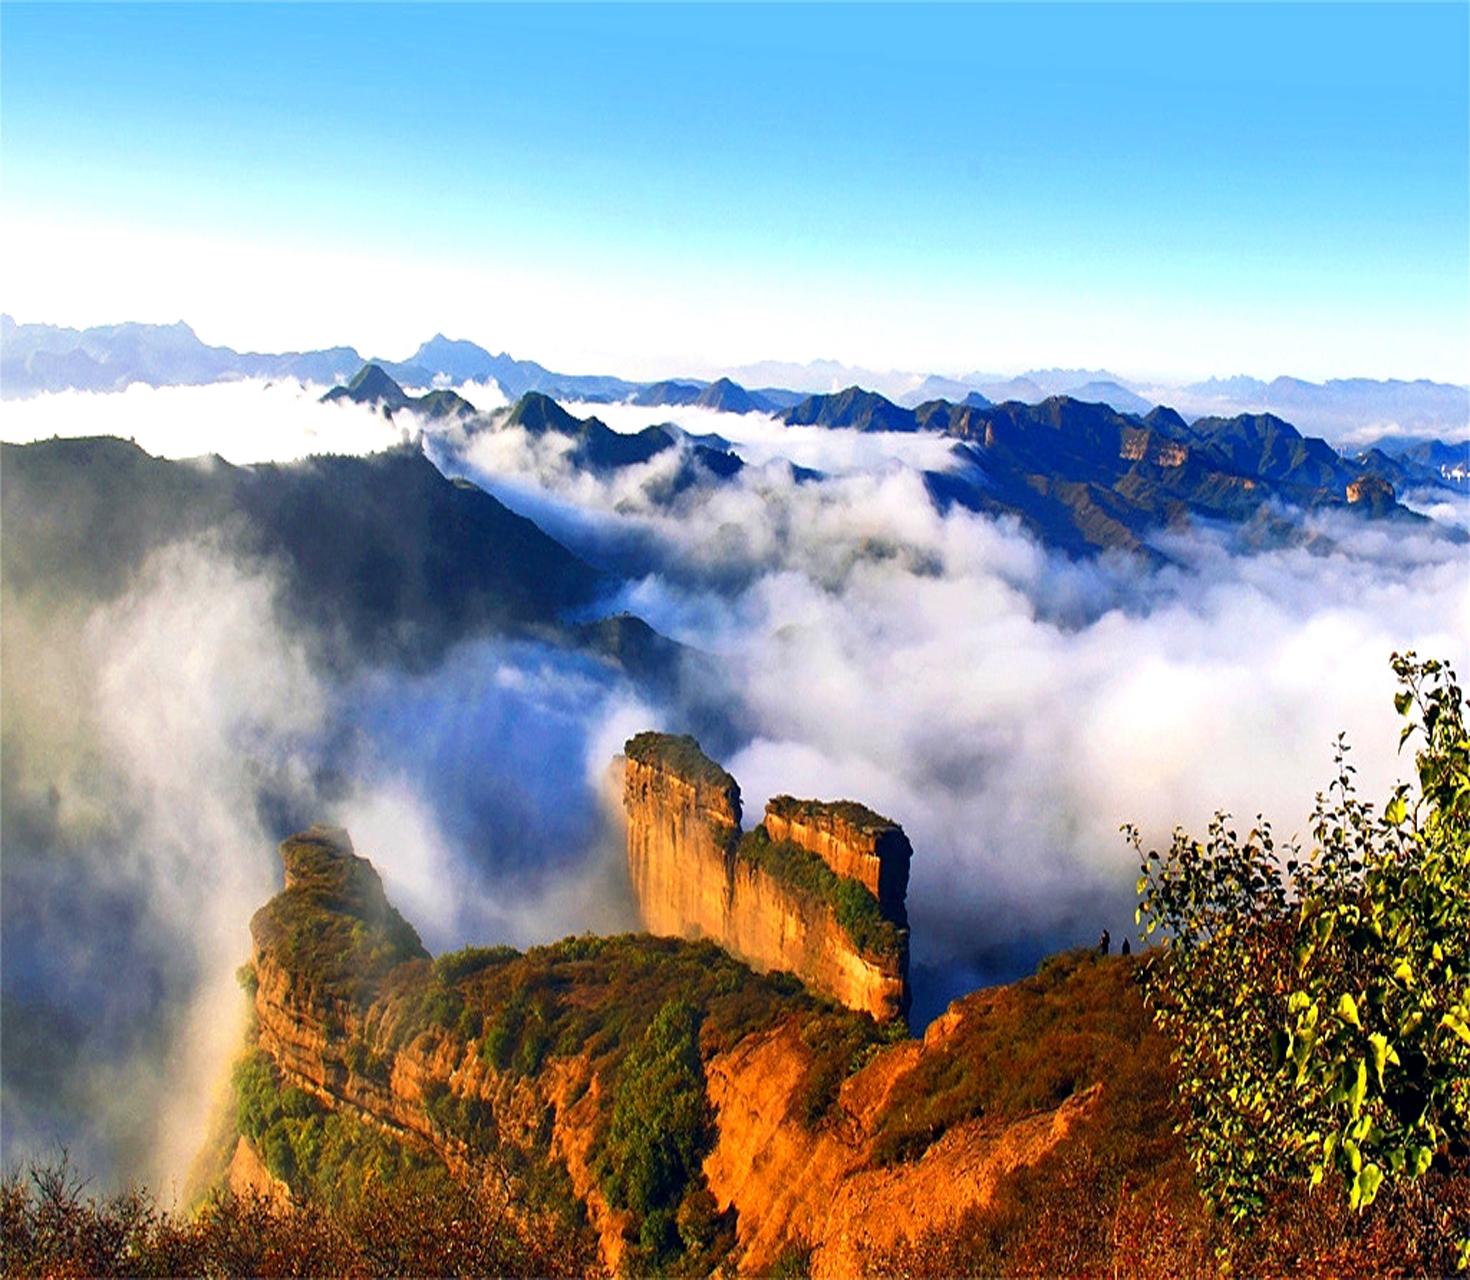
1364 1186
1359 1089
662 1125
1320 1009
1455 1021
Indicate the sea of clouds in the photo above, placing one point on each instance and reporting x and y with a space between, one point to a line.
1010 707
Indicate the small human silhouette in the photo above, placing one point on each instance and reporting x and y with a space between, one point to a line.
1104 943
1126 949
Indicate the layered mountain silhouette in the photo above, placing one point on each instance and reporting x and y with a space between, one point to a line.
854 408
379 558
1341 403
463 361
598 447
722 394
669 392
1085 477
1082 476
41 357
1421 465
371 385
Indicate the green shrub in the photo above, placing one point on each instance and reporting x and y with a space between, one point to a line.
661 1128
1321 1010
452 966
820 889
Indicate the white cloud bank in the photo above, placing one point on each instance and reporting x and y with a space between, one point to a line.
1009 707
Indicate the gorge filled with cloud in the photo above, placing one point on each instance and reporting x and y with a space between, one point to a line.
841 636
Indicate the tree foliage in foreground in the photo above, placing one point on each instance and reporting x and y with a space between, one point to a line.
50 1226
1321 1009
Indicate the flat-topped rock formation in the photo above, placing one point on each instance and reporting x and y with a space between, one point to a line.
851 839
821 1134
817 889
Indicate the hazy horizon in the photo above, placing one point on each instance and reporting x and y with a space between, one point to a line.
1172 192
815 374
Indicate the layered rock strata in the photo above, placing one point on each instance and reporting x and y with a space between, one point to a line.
336 970
340 989
696 876
851 839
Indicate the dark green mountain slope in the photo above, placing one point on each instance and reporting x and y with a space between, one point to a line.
854 408
373 385
1085 477
400 557
598 446
1262 445
1427 464
379 556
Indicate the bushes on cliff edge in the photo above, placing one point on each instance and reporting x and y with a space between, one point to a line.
662 1126
418 1227
821 889
1321 1011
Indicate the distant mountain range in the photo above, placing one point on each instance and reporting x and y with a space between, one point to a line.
1086 478
1351 410
1356 412
1080 475
43 357
373 385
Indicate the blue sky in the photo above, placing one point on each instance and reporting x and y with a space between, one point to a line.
1167 191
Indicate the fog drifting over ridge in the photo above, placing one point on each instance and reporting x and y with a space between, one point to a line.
1008 706
1012 707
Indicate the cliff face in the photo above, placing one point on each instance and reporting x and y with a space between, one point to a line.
789 896
823 1185
342 1019
509 1070
851 839
683 825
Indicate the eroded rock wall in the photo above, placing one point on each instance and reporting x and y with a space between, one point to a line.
683 825
823 1186
851 839
683 836
789 1181
342 1044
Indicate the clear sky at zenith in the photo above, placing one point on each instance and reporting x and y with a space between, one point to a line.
1168 191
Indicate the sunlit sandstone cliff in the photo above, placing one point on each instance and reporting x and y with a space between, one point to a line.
817 889
822 1137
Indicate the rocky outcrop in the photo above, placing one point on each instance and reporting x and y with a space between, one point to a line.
342 1021
817 889
851 839
683 825
826 1139
1371 492
823 1186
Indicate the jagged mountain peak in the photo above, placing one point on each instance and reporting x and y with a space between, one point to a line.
372 385
538 412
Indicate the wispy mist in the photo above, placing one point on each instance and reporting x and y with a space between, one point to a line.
252 420
1008 706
